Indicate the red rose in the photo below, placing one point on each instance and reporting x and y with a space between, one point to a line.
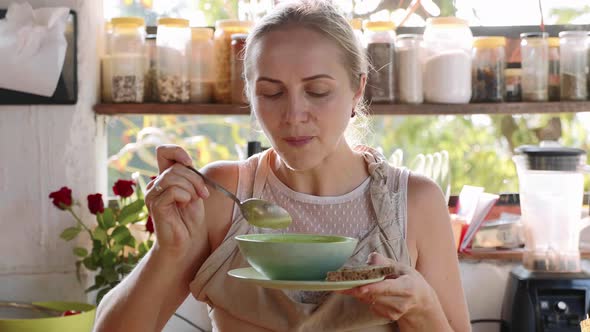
95 204
149 224
62 198
123 188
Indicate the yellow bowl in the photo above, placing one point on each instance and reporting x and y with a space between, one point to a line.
79 323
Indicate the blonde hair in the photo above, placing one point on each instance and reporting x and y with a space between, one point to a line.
323 17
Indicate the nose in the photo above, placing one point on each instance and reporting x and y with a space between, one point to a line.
297 110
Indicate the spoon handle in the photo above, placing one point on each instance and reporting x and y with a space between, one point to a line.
215 185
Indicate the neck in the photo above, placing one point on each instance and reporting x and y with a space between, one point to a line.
339 173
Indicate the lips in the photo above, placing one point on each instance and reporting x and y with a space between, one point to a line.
298 140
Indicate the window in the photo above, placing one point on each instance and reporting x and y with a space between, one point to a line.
480 146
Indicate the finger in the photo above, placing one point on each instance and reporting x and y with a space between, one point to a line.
169 155
194 179
388 287
165 205
179 175
385 308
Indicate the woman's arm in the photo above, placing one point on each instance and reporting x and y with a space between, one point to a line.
147 298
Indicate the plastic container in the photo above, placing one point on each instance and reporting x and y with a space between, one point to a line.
224 29
202 62
173 43
238 42
534 49
448 42
573 47
553 83
409 53
489 61
128 59
379 36
513 79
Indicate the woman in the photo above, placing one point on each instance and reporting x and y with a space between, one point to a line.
305 76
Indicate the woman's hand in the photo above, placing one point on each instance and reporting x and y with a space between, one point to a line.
174 201
403 295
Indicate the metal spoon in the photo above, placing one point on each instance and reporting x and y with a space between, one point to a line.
256 211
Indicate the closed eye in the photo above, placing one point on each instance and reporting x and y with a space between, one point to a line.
276 95
318 95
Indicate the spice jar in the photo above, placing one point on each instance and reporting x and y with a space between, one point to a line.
447 67
573 47
202 62
409 49
238 42
224 29
151 91
173 58
512 77
553 83
534 49
379 37
487 76
128 60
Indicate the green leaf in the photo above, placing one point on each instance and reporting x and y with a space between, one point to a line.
78 275
117 247
130 241
99 280
80 252
125 269
120 234
110 274
102 293
143 249
92 288
100 234
89 264
131 212
108 259
70 233
108 218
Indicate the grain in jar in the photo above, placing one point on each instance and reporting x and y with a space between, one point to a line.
553 84
173 43
534 50
379 37
202 62
573 51
224 29
409 53
238 43
127 59
487 77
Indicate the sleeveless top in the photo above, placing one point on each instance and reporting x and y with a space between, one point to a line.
235 305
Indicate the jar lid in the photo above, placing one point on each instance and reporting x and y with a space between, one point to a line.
534 35
174 22
409 36
201 33
128 20
553 41
574 33
356 23
224 24
489 42
239 36
380 25
513 65
552 158
448 21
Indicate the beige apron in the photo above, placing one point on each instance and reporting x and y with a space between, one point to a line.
236 305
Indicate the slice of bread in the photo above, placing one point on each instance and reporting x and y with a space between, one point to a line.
363 272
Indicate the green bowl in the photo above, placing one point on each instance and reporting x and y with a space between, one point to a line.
295 256
82 322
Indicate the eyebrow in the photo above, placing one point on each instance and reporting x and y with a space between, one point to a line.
310 78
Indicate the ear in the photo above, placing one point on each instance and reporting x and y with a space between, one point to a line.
361 90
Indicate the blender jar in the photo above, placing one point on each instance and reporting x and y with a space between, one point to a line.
551 186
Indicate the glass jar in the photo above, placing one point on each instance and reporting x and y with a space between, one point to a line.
128 60
238 42
513 79
379 37
202 62
447 67
489 61
534 50
409 50
553 78
151 88
106 76
173 42
224 29
573 47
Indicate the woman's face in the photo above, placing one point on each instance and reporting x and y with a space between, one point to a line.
302 95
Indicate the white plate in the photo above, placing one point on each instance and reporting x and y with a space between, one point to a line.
249 274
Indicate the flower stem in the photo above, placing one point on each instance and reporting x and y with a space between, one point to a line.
79 221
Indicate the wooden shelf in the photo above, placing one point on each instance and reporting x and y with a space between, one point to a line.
505 255
377 109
